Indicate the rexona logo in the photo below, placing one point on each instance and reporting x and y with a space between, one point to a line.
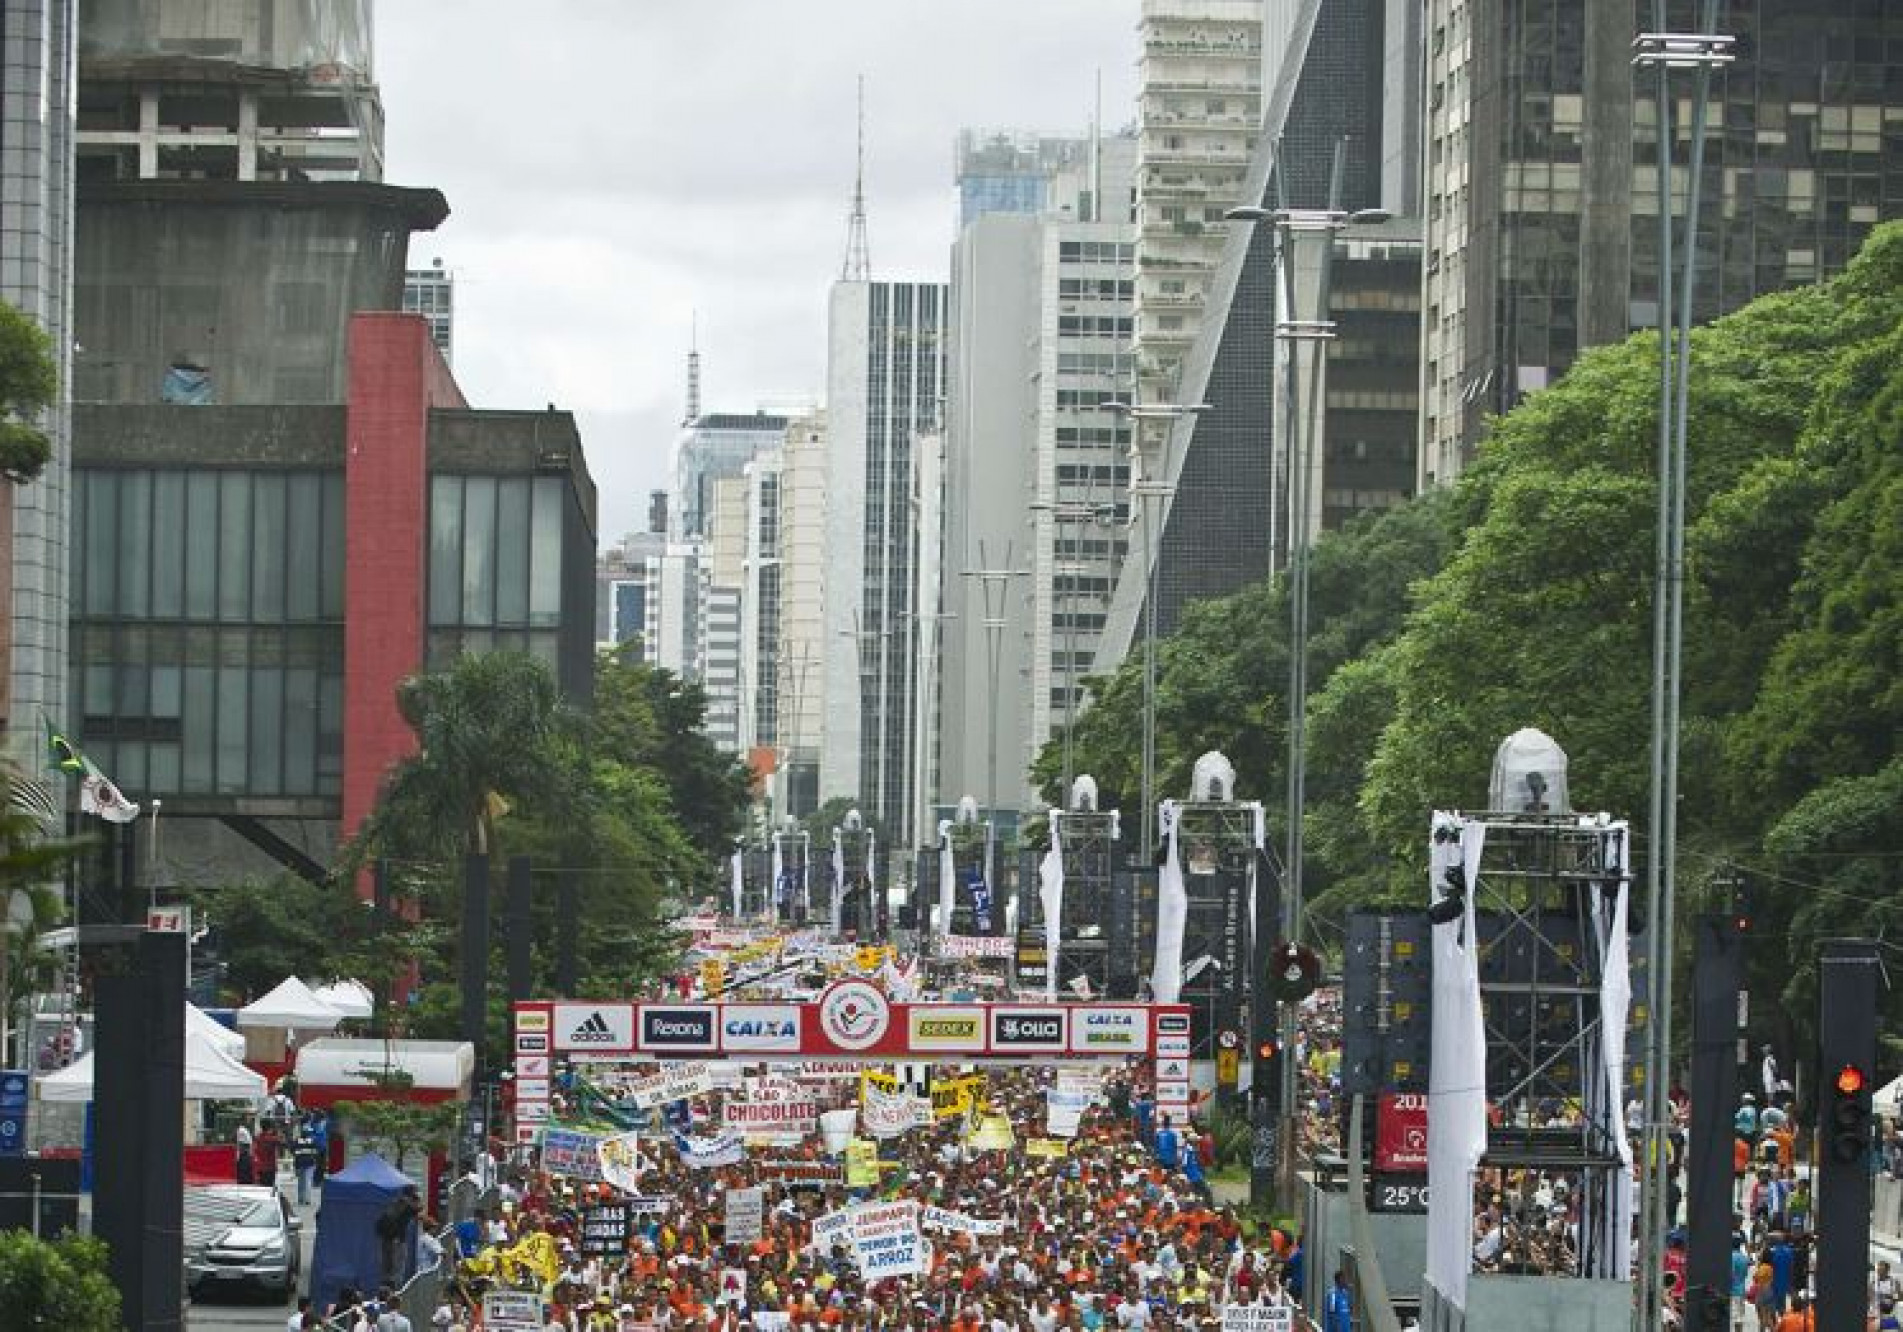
760 1027
854 1014
677 1028
1027 1030
592 1026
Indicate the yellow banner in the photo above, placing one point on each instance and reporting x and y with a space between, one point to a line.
992 1135
713 977
1046 1147
862 1163
958 1097
874 1080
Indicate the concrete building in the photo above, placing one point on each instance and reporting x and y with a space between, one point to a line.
1041 337
251 90
258 578
885 377
712 446
1221 518
431 292
671 628
760 606
1200 109
37 113
801 658
1542 204
1010 171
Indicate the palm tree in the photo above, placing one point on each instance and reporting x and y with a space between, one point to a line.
490 730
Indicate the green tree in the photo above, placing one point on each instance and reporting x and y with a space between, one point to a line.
30 863
58 1283
29 382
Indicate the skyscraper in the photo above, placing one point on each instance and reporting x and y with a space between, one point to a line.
431 292
1542 201
1221 520
1200 110
36 191
802 659
885 375
715 445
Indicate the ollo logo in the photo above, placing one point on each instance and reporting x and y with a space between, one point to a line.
1027 1029
854 1014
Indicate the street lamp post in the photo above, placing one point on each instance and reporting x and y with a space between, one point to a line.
1144 489
1296 229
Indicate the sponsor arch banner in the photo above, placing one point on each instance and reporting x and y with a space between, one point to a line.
854 1020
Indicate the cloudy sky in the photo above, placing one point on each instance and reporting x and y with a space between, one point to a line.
614 167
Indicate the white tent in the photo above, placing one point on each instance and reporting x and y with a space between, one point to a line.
352 998
211 1074
334 1062
291 1004
220 1036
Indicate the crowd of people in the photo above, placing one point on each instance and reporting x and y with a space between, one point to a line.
1119 1232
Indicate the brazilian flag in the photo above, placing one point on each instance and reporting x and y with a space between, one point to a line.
62 754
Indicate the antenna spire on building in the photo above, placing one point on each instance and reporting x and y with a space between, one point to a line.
857 266
693 371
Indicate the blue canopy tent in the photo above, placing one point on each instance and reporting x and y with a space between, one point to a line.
347 1251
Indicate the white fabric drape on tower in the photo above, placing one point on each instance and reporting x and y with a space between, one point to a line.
947 881
1457 1075
1172 914
839 879
1050 891
780 885
739 883
1615 1007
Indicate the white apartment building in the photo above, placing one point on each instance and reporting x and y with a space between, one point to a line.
1200 108
801 660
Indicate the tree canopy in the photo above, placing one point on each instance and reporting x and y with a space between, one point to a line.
1523 596
29 382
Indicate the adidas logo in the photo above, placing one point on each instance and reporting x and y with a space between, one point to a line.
592 1030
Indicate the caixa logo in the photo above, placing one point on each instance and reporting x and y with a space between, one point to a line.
677 1028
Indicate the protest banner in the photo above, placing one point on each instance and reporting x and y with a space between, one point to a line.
619 1160
801 1174
571 1153
771 1320
1053 1147
1064 1111
975 945
993 1134
733 1286
641 1204
862 1164
746 1215
778 1120
938 1218
512 1311
604 1229
886 1241
887 1115
1258 1318
678 1082
958 1097
832 1228
710 1153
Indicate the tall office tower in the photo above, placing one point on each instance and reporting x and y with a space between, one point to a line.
801 658
36 192
723 586
1542 216
760 606
431 292
1200 108
1220 519
1035 472
254 90
671 631
712 446
885 376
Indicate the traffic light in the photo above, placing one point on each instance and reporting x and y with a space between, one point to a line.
1294 971
1267 1050
1849 1120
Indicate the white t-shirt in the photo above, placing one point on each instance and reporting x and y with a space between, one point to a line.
1045 1321
1133 1313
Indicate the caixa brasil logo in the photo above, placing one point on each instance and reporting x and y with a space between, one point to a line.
854 1014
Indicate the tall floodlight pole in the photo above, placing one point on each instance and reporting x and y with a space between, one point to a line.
1305 250
1145 488
1663 51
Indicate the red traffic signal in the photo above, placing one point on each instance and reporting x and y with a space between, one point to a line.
1267 1050
1850 1080
1849 1120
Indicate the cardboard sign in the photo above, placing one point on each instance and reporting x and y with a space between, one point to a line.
778 1120
678 1083
938 1218
746 1215
890 1115
1258 1318
567 1152
862 1164
886 1241
1052 1147
993 1135
604 1229
710 1153
512 1311
975 945
619 1160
